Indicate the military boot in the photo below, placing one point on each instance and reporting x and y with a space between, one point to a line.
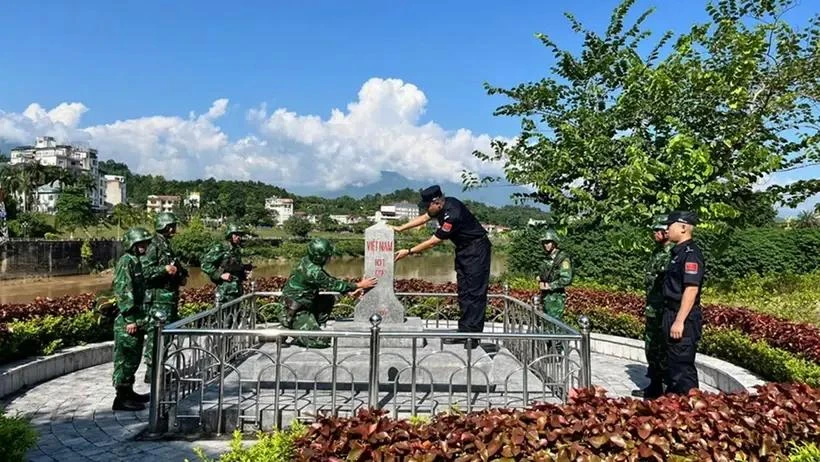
138 397
124 402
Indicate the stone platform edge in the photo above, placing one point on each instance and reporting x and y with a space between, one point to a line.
29 372
714 372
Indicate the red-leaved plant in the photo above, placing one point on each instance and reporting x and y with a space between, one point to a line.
700 426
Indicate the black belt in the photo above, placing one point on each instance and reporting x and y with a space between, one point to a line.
555 291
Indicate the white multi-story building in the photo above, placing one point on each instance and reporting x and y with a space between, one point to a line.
282 206
193 200
73 157
115 191
399 211
156 204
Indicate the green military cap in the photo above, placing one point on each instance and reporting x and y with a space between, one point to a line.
165 219
134 236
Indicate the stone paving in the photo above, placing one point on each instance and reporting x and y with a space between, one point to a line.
74 418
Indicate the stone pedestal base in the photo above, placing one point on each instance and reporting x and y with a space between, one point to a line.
414 325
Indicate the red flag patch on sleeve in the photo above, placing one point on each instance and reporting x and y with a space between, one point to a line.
691 267
446 227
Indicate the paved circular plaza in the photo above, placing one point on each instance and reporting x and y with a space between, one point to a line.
73 415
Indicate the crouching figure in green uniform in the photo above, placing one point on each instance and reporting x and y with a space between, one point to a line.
554 276
131 322
305 308
164 274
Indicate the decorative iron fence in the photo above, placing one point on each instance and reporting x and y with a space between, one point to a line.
232 366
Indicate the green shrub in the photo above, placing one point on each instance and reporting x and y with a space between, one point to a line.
193 241
772 364
615 256
191 308
32 225
43 335
806 452
787 296
270 447
17 436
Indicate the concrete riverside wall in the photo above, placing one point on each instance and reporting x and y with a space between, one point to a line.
27 258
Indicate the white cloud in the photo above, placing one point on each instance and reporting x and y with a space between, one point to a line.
379 131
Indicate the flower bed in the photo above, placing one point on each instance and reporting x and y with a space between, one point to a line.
703 426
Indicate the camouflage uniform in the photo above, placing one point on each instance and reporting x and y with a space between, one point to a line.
225 257
654 338
162 294
129 289
557 272
305 308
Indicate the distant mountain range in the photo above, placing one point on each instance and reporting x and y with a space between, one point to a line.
496 194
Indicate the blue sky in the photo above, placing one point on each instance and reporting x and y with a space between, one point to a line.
149 64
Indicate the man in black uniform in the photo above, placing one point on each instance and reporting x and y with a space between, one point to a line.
682 318
473 250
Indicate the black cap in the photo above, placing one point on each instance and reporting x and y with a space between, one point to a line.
681 216
428 195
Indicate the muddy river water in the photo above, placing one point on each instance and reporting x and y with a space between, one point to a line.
433 268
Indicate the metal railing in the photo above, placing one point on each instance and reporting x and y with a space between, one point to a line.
214 368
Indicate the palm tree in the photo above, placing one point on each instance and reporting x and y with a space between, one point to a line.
807 219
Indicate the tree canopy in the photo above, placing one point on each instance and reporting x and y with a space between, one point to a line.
697 122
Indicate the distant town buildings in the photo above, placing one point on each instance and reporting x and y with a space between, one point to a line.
115 190
282 207
346 219
73 157
156 204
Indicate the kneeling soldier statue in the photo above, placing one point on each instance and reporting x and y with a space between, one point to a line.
305 308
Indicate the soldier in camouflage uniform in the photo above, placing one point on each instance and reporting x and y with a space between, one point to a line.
164 274
305 308
654 337
223 265
130 324
554 276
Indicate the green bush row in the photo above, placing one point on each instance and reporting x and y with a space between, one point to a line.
616 256
17 436
46 334
769 363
